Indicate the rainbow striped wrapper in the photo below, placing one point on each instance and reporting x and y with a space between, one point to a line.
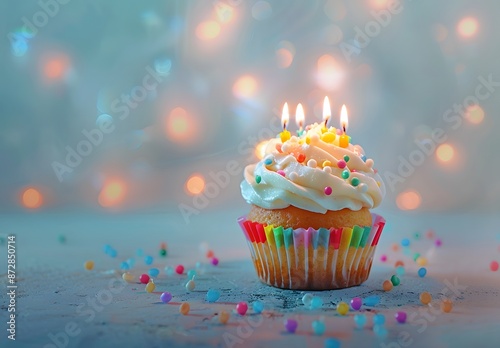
310 259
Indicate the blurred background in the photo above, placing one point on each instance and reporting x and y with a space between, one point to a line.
156 106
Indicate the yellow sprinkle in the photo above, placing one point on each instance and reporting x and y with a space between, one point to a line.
342 308
308 140
421 261
184 308
327 163
128 277
328 137
223 317
378 183
150 287
89 265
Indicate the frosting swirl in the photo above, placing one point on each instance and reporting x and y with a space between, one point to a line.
313 173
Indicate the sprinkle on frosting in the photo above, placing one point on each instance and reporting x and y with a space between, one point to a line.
314 185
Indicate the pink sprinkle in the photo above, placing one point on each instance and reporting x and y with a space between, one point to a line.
353 170
438 242
494 266
215 261
383 258
328 190
280 172
241 308
341 164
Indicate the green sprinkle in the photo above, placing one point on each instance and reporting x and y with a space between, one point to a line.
416 256
61 238
258 179
345 174
355 182
346 158
395 280
417 235
163 252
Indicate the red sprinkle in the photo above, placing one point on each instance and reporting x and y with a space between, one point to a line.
179 269
144 278
301 157
328 190
210 254
494 266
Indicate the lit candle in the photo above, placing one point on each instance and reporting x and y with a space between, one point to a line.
299 119
285 135
327 113
344 139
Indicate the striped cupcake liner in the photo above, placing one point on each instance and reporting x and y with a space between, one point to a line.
312 259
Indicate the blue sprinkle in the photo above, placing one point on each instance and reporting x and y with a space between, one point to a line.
124 266
112 253
372 301
153 272
148 260
332 343
213 295
378 319
363 157
258 307
380 331
139 252
191 273
268 161
131 262
360 320
169 270
318 327
405 242
107 248
400 270
316 303
422 272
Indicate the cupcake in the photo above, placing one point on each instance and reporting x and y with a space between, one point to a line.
310 226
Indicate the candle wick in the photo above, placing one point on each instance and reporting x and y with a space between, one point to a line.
343 127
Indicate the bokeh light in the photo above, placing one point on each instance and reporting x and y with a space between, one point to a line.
408 200
379 4
262 10
335 10
260 149
245 87
208 30
112 194
180 126
467 27
195 184
445 152
55 68
474 114
330 73
285 52
31 198
224 11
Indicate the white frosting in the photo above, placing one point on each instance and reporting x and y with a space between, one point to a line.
303 184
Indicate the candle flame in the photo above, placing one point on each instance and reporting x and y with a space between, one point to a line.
344 122
327 111
299 116
285 116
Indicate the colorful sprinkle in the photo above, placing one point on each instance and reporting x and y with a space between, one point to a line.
169 270
341 164
379 319
342 308
89 265
278 148
223 317
446 305
153 272
291 325
268 161
214 261
438 242
355 182
400 271
328 137
328 190
360 320
395 280
258 179
383 258
150 286
387 285
422 261
144 278
371 301
241 308
416 256
363 157
166 297
400 317
327 163
399 263
380 331
316 303
191 274
306 299
190 285
213 295
422 272
163 252
184 308
346 158
179 269
312 163
258 307
494 266
128 277
356 303
318 327
345 174
148 260
425 298
281 172
332 343
405 242
301 157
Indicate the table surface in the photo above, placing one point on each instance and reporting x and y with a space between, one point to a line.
59 304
